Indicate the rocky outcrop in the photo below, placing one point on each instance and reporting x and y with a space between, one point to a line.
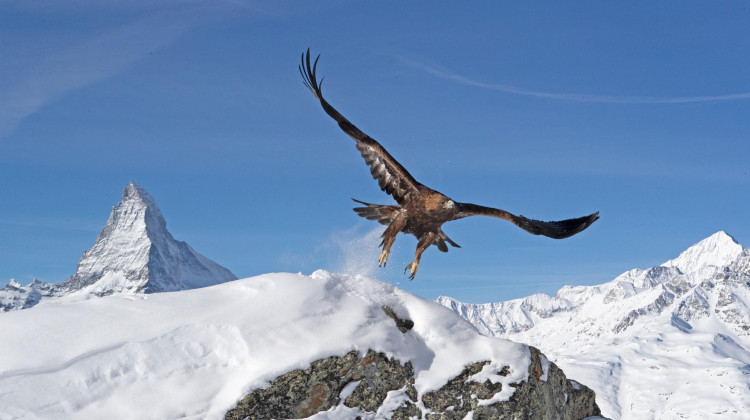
328 382
376 385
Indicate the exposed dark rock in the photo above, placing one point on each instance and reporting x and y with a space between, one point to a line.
546 395
459 395
407 411
304 392
663 301
378 375
403 325
551 399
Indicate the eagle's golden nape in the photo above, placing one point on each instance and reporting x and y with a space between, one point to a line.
421 211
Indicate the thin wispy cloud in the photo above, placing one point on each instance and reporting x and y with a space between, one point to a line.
573 97
102 57
59 224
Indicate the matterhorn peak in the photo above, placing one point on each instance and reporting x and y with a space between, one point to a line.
718 250
136 201
135 253
135 190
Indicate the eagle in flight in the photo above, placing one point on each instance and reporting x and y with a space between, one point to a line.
421 211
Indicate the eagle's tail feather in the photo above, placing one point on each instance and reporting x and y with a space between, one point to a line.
382 213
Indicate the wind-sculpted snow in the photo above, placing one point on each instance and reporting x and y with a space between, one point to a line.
134 253
195 353
667 342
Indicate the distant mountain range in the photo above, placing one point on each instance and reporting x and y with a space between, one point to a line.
667 342
134 253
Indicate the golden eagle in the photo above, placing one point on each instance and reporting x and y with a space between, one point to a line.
421 211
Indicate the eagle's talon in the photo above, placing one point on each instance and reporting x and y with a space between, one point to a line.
383 258
413 267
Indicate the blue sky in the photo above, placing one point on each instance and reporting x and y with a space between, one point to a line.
637 110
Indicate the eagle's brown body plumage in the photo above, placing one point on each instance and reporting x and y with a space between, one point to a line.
421 211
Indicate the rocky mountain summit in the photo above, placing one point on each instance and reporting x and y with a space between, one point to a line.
691 313
134 253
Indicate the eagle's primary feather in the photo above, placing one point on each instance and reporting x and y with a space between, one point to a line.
393 178
421 211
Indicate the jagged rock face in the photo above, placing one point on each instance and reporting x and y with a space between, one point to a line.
384 387
134 253
733 286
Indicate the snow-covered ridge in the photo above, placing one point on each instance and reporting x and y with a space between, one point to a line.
199 351
134 253
718 250
692 312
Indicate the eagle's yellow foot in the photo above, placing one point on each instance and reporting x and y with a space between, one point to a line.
413 267
383 258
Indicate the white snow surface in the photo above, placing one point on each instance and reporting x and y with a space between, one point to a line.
670 342
195 353
718 250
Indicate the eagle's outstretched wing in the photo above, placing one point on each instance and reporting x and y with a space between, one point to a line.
393 178
557 230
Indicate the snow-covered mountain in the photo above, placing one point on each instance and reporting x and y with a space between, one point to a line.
134 253
194 354
668 342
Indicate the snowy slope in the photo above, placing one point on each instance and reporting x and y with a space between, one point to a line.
134 253
194 353
670 342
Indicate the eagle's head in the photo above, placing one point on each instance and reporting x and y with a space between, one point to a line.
449 204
